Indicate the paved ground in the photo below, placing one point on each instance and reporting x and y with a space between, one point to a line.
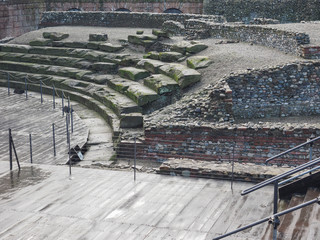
42 202
30 116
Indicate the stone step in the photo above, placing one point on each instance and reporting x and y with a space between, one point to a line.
88 54
183 75
162 84
132 73
150 65
128 112
107 114
139 93
46 59
44 69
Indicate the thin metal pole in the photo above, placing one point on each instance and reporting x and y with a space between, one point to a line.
62 103
69 148
310 154
71 110
54 140
41 91
232 178
30 141
135 159
275 210
8 84
15 153
26 87
10 150
53 97
67 128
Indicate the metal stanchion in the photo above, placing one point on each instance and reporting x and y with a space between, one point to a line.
71 119
30 141
135 159
26 87
54 140
53 97
10 150
41 91
8 84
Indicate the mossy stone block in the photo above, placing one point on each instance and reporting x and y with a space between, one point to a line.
55 36
108 47
40 42
150 65
170 56
132 73
196 47
197 62
161 84
98 37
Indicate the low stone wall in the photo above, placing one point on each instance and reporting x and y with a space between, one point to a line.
310 52
286 41
118 19
241 144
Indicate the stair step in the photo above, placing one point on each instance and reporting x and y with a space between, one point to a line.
110 117
127 110
132 73
150 65
46 59
288 223
44 69
162 84
139 93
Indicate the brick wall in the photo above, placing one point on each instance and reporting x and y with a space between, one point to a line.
310 52
245 145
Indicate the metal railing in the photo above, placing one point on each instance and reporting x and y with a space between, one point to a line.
274 219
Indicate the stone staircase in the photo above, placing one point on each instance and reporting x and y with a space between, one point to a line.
118 86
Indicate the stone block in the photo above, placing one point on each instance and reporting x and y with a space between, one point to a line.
40 42
170 56
111 68
150 65
197 62
161 84
98 37
132 73
55 36
108 47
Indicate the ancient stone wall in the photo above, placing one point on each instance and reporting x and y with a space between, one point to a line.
118 19
285 11
20 16
241 144
286 41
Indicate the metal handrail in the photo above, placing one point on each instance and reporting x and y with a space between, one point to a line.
280 176
300 175
271 218
292 149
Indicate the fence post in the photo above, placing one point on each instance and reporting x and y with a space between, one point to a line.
30 141
54 140
62 104
8 84
41 91
69 152
53 97
276 221
135 157
71 119
10 150
67 128
26 87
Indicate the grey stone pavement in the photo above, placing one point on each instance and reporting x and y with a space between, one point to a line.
43 202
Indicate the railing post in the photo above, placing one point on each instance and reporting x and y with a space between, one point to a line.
71 114
10 150
276 221
69 148
26 87
8 84
62 104
41 91
30 142
53 97
135 159
54 140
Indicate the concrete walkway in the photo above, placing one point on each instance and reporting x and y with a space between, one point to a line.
42 202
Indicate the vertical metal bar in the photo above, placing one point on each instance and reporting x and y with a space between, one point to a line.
26 87
41 91
275 209
15 153
67 128
232 177
69 148
62 103
8 84
30 141
54 140
53 97
135 159
10 150
71 110
310 154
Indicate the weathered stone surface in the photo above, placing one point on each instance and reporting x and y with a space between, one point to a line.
173 27
14 48
139 32
180 47
183 75
150 65
76 44
97 78
55 36
197 62
93 45
98 37
140 94
141 39
106 67
131 120
152 55
91 56
40 42
161 84
129 61
132 73
57 44
108 47
160 33
170 56
196 47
